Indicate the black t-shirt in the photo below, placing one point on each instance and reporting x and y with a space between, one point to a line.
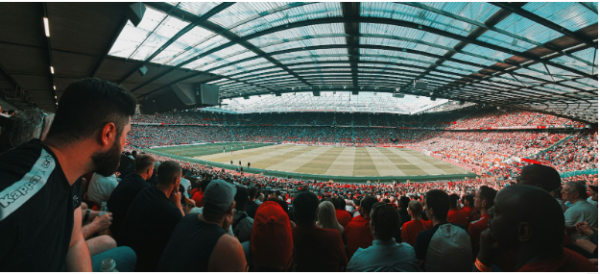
191 245
121 198
148 226
36 210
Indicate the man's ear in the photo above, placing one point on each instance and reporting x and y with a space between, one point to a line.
109 133
483 203
524 231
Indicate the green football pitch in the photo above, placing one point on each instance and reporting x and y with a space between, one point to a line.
320 160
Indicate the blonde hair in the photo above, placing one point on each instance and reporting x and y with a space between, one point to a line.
327 218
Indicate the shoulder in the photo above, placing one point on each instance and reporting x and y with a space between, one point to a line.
227 245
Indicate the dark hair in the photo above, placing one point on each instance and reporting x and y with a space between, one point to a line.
403 202
453 201
438 201
167 172
252 192
241 198
204 183
305 205
89 104
366 204
488 194
386 220
542 176
143 162
471 199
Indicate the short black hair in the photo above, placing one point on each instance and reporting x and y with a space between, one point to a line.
489 195
453 201
367 203
305 205
167 172
542 176
403 202
252 192
470 198
386 220
204 183
241 198
438 201
87 105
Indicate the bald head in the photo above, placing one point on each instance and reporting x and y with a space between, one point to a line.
542 176
527 215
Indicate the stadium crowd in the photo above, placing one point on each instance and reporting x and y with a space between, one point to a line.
504 118
154 214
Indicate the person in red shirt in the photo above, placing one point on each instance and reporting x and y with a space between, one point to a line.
484 200
341 214
358 231
455 215
316 249
529 221
412 228
468 202
198 195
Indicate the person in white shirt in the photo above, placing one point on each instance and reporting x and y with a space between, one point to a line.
580 211
101 187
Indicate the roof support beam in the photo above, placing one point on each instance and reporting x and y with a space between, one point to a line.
223 32
545 22
351 11
492 21
370 20
192 25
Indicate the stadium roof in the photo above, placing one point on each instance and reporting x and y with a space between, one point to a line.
364 102
539 56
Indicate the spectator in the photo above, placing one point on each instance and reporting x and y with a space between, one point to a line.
327 218
536 236
341 214
242 223
580 211
593 199
541 176
484 200
271 245
199 195
200 243
385 254
152 216
88 133
468 202
124 194
358 232
455 215
252 206
403 209
316 249
445 247
412 228
101 187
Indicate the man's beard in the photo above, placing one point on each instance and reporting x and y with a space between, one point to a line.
106 163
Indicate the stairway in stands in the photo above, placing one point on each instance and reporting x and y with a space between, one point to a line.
551 146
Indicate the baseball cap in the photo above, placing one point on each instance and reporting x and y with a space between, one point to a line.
219 195
271 242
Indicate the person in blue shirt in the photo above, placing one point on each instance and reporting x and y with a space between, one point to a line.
385 254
